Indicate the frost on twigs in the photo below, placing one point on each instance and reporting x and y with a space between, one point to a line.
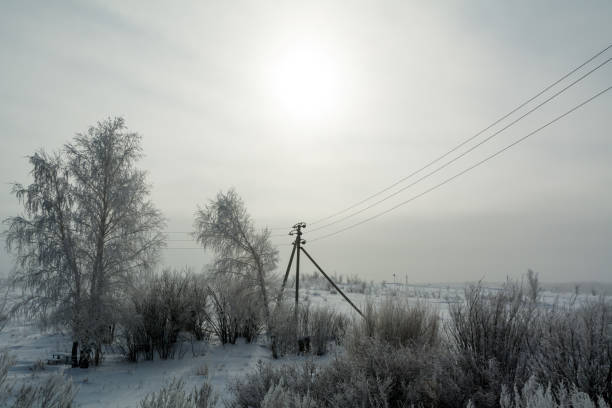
174 396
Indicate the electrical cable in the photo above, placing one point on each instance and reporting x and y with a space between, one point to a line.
465 152
463 171
465 141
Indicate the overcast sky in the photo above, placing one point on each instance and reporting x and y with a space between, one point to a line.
308 107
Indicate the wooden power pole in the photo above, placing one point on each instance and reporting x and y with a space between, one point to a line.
295 252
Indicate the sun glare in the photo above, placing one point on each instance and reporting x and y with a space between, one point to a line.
305 82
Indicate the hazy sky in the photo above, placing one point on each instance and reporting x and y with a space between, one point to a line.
308 107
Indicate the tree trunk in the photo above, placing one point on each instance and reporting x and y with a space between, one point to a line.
75 349
84 357
97 355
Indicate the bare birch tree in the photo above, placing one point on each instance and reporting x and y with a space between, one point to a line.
88 227
225 227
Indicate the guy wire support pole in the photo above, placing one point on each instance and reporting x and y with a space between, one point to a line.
280 293
332 282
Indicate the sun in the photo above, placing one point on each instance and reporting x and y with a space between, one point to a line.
305 82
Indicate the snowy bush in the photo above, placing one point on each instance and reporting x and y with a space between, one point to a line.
492 335
159 310
236 310
252 389
55 391
6 362
534 395
4 309
280 397
174 396
324 326
318 327
171 396
373 375
495 343
399 323
576 348
284 337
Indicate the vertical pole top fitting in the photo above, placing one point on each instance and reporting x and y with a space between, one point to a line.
297 230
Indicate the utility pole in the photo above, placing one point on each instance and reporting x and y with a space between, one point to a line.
297 249
297 229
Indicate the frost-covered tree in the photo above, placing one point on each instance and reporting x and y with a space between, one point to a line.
88 226
224 226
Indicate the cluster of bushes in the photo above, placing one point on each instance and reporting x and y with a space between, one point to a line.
174 395
236 310
174 307
496 349
317 328
55 391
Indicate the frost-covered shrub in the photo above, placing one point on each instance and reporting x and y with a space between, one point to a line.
6 362
198 303
236 309
399 323
174 396
56 391
132 339
324 326
205 396
280 397
374 374
4 309
534 395
251 390
576 348
495 343
283 336
491 336
171 396
318 326
375 370
159 310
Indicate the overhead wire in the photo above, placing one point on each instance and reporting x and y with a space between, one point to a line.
439 158
464 142
438 169
448 180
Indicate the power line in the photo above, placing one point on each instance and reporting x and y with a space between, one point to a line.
465 170
194 239
465 141
270 229
465 152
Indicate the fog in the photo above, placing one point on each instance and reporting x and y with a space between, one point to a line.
306 109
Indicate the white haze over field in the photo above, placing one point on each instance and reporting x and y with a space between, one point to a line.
308 108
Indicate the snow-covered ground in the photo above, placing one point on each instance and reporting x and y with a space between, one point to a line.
117 383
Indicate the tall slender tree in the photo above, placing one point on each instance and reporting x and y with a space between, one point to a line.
88 227
225 227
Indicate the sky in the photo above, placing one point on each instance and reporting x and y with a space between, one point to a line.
306 108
